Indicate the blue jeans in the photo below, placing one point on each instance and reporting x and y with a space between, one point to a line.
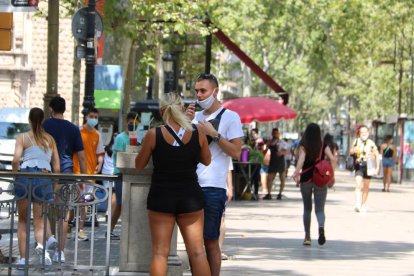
215 201
319 193
41 187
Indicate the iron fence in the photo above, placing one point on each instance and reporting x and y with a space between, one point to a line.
70 193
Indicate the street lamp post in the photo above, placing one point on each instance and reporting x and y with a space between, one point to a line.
88 99
168 65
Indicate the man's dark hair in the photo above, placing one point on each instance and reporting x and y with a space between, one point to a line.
58 104
210 77
255 130
92 110
131 115
275 129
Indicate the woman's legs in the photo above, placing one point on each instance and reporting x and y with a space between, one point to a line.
387 178
384 179
358 193
263 180
22 206
162 226
191 227
306 191
365 191
38 223
320 199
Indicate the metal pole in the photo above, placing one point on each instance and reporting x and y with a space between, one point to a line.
208 54
88 99
52 55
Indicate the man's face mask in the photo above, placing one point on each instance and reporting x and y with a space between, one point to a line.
132 127
207 103
92 122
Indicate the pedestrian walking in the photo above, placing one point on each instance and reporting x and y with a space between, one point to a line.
388 152
226 140
277 165
366 155
311 148
37 150
175 195
68 141
94 153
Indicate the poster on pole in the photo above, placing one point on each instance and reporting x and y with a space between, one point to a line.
19 5
108 86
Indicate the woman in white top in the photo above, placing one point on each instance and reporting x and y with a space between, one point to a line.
37 150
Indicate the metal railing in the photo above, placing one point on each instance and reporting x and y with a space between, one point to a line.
71 192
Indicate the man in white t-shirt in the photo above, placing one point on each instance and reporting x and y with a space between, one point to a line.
225 142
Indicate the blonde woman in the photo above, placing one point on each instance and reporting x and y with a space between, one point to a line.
365 149
37 150
175 195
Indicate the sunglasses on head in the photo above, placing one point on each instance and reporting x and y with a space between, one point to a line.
205 76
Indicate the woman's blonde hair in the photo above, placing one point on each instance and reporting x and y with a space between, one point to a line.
172 109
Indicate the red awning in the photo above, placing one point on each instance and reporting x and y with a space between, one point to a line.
252 65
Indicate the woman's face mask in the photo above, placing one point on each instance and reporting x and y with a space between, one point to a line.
207 103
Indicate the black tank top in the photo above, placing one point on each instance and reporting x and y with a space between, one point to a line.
388 153
305 177
175 165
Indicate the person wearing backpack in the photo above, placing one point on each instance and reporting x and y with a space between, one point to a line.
311 154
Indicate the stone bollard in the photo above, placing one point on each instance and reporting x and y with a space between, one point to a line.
135 249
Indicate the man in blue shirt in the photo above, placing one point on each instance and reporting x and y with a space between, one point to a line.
68 141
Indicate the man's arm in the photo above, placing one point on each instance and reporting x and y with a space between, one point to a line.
82 161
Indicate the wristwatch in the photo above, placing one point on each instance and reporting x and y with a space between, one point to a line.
217 138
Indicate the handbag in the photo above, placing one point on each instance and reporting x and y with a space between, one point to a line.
350 163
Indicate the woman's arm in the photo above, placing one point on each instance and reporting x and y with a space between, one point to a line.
18 151
148 145
331 157
205 154
299 165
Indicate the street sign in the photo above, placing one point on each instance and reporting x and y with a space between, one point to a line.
80 25
80 52
18 5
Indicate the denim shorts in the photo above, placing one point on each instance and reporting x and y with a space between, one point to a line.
388 162
215 202
118 192
42 187
264 169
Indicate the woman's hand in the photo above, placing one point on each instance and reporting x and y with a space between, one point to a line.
296 177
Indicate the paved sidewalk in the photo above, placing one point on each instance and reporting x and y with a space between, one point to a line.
265 237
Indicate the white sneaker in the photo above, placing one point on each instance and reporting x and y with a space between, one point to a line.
39 252
51 243
56 257
21 261
363 209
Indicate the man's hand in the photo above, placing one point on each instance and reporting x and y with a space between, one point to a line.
190 111
229 195
208 128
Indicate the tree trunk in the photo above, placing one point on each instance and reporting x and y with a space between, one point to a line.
76 88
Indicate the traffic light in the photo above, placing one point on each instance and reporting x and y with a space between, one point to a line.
6 26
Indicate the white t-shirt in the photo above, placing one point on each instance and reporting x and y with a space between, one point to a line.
215 175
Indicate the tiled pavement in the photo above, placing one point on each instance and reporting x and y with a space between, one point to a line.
265 237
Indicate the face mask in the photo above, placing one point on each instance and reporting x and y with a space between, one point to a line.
131 127
364 137
207 103
92 122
